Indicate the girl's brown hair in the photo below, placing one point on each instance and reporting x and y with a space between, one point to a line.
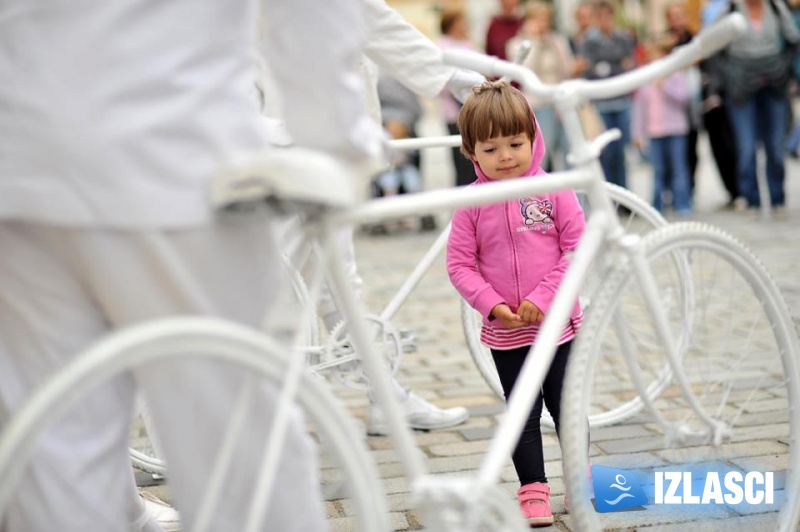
494 109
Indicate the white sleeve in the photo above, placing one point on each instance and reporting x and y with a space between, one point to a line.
403 51
313 50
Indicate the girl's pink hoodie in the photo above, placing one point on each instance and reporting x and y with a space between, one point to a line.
504 253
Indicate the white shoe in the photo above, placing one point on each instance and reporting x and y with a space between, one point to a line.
420 414
161 512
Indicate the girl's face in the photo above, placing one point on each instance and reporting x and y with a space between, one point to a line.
504 157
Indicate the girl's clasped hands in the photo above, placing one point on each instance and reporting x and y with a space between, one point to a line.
526 314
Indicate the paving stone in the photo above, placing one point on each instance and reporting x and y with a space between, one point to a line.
616 432
459 449
727 452
488 409
731 524
631 445
629 460
443 372
478 433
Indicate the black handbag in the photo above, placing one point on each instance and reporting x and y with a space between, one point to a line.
744 76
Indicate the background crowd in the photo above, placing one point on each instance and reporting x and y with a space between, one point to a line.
661 123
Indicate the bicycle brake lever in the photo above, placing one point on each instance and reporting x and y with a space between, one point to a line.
595 147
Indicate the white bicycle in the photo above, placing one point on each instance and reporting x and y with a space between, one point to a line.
689 303
334 354
476 502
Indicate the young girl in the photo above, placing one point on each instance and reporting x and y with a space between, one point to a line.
507 260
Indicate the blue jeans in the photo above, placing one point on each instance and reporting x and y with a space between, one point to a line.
762 117
613 157
406 176
793 142
668 157
555 141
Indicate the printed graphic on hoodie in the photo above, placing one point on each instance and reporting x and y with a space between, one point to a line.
536 213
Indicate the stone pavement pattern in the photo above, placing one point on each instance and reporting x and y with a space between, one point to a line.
443 372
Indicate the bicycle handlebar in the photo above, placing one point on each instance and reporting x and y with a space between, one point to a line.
702 45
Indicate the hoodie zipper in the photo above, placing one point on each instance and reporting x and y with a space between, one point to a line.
513 253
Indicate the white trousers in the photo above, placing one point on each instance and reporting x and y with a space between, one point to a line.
63 289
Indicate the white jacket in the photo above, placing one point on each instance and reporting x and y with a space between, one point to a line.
393 45
117 114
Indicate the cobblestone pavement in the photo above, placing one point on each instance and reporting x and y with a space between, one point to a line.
443 372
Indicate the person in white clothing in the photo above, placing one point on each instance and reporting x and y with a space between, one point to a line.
402 51
113 120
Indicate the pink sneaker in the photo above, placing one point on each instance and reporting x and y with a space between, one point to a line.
534 501
591 490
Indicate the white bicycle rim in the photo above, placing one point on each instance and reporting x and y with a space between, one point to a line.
144 457
642 217
196 338
747 354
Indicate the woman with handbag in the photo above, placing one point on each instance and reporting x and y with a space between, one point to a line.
756 69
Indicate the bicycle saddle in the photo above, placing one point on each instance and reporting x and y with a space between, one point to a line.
290 175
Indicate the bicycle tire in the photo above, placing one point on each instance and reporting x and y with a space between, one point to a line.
206 338
741 297
143 456
471 320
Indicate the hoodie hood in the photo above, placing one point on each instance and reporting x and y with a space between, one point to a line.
537 156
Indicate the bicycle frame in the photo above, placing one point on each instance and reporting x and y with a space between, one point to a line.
602 227
321 220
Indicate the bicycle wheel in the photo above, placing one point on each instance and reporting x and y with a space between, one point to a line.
738 350
210 339
636 215
144 456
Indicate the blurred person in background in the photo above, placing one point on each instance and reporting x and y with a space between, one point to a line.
679 33
584 21
756 69
661 123
454 28
503 26
550 58
608 51
716 120
793 142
